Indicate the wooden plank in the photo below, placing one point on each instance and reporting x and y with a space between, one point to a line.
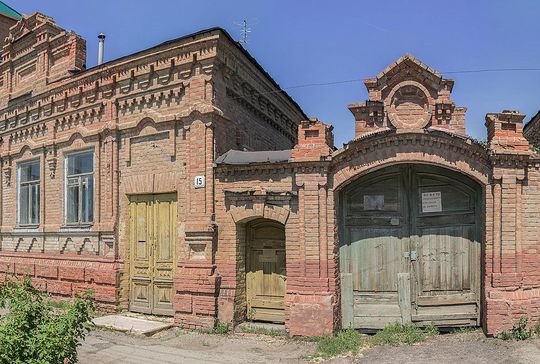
374 322
450 309
268 302
404 297
453 316
448 323
382 310
346 300
375 297
455 299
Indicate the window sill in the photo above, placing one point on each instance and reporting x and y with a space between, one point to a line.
29 226
76 227
26 228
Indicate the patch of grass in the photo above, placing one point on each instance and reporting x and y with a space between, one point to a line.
398 334
519 331
258 330
222 328
348 341
464 330
536 329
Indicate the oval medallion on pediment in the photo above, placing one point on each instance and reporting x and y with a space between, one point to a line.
408 106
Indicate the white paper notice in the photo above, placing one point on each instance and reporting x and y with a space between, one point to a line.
431 202
373 202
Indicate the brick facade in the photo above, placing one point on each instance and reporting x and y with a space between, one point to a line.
154 120
158 118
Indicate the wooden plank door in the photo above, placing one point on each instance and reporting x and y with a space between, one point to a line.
447 241
164 253
374 256
266 272
141 249
152 253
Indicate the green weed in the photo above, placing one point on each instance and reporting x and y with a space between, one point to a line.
348 341
397 334
519 331
261 331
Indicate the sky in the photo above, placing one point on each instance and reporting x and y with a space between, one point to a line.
304 42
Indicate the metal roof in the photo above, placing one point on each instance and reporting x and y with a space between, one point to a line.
265 156
9 11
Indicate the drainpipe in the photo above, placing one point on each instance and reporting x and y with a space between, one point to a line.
101 48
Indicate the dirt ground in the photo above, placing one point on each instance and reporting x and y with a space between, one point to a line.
176 346
457 349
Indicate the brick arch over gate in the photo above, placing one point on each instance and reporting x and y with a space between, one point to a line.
433 147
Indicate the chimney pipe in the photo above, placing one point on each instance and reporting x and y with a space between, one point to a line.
101 48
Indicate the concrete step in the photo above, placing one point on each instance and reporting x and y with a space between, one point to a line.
134 325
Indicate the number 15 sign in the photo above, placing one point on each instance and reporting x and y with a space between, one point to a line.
199 181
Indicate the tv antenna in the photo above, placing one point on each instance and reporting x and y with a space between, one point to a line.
244 31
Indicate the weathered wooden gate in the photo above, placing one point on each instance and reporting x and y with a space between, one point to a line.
152 253
265 271
410 248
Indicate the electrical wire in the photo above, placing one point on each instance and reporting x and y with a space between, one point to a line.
484 70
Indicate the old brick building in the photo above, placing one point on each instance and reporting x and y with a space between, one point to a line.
181 181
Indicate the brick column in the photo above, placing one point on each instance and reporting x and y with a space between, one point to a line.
196 282
509 152
310 301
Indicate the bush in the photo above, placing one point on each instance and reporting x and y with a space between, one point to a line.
397 334
345 342
34 332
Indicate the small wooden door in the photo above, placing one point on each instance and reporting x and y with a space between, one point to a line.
266 274
152 253
410 248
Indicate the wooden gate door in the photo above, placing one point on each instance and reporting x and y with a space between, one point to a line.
410 249
266 273
152 253
373 257
447 236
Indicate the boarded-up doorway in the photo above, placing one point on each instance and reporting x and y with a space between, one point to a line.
410 248
265 271
152 253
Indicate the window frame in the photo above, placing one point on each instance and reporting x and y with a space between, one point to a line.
37 182
79 177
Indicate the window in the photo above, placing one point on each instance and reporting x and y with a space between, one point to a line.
80 188
28 203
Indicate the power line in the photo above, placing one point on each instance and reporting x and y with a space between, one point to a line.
494 70
484 70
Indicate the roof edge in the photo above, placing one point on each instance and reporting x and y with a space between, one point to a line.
17 15
532 121
193 35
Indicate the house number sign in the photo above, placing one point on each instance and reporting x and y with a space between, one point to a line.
199 182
